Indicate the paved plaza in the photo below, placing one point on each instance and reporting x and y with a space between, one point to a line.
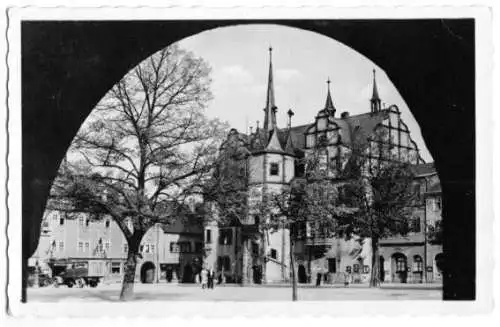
173 292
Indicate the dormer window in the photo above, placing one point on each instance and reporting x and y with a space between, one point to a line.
274 169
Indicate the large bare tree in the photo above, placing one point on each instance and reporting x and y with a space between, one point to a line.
146 148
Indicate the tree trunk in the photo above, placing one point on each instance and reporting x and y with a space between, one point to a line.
127 291
292 270
375 273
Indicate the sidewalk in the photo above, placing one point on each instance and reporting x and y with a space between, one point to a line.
398 286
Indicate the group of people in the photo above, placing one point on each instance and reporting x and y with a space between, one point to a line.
207 277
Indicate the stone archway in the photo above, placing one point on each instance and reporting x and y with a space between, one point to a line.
148 271
52 112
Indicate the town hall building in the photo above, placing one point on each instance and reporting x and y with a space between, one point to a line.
244 251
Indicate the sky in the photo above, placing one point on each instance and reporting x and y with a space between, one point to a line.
302 62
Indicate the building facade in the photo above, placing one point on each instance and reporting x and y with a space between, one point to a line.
168 254
272 157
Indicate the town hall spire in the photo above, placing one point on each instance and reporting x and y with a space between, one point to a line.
375 100
270 109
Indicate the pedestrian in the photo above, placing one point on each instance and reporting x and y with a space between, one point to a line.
204 278
318 279
211 276
347 278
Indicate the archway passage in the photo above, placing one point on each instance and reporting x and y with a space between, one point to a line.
68 66
399 268
148 270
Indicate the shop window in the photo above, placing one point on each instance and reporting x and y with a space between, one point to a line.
274 169
332 265
115 267
274 254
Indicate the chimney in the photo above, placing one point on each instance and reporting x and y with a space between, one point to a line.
345 114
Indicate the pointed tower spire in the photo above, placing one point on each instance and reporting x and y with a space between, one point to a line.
270 109
375 100
329 107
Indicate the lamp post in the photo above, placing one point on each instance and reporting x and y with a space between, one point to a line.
157 254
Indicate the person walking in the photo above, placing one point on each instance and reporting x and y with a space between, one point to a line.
204 278
318 279
211 276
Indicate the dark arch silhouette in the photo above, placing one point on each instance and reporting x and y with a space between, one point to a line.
68 66
148 270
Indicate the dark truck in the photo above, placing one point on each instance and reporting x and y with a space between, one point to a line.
84 273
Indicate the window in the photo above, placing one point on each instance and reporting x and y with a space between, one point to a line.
87 246
332 265
87 221
226 237
255 249
107 223
61 221
61 245
152 247
275 169
141 248
182 247
437 204
198 247
174 247
355 268
401 264
81 220
80 246
115 267
125 247
185 247
274 254
107 245
418 265
415 225
208 236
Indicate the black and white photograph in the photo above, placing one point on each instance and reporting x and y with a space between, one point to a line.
247 158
